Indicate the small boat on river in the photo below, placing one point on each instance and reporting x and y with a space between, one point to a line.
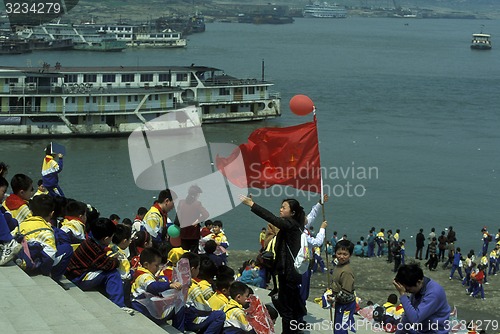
481 41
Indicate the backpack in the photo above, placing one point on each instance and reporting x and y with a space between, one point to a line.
267 256
302 259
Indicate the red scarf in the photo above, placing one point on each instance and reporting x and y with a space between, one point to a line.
73 218
137 273
14 202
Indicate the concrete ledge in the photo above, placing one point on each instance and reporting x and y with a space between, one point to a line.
39 305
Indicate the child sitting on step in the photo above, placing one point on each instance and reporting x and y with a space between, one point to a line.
90 268
146 284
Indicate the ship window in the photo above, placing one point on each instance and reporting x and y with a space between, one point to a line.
108 78
224 91
73 99
129 98
136 98
108 99
181 76
70 78
146 77
164 77
115 98
251 90
149 98
90 78
156 97
87 99
94 99
52 100
128 77
11 80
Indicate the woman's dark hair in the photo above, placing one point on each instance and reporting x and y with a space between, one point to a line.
296 210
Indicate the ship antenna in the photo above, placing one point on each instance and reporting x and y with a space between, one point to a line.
262 70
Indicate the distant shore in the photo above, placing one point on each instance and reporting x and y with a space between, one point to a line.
110 12
373 282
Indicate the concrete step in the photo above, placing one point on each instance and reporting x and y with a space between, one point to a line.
39 305
103 309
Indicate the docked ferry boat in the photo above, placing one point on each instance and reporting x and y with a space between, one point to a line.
89 101
138 36
324 10
84 37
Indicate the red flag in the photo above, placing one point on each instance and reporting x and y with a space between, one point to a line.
284 156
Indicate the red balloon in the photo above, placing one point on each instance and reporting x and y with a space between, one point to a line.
301 105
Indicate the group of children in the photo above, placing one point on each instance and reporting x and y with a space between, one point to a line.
391 245
67 237
386 316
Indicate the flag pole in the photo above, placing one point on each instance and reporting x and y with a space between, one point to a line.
322 201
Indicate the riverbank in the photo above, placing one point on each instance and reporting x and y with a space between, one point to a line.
228 11
373 277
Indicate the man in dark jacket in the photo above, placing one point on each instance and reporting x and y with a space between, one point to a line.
420 244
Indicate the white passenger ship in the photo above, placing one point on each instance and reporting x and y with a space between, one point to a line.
139 36
324 10
84 37
87 101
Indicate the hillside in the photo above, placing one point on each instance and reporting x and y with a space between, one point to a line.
114 10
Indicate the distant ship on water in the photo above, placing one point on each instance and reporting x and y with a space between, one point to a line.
324 10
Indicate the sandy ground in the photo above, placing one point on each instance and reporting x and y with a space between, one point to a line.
373 277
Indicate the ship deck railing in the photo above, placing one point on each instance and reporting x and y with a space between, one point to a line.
90 89
230 99
36 111
232 82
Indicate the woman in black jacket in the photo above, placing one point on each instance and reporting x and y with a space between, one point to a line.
291 224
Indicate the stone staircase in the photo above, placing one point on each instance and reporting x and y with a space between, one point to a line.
38 305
